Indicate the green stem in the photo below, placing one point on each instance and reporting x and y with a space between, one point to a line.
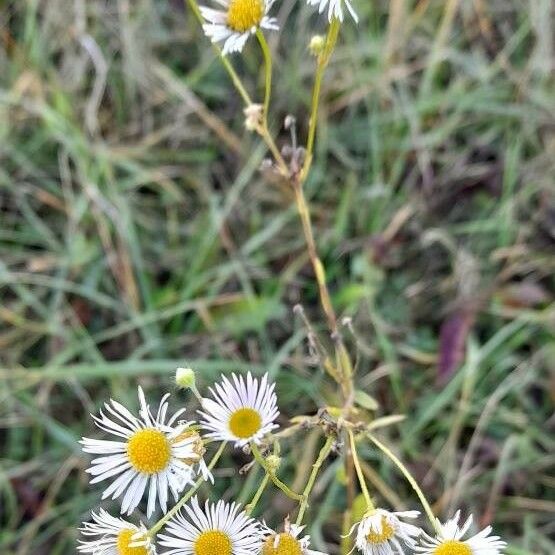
283 487
251 506
410 478
360 474
263 131
324 452
156 528
323 60
225 62
268 71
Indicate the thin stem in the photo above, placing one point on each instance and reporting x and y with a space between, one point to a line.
154 530
251 506
323 60
263 130
324 452
360 474
225 62
268 71
265 134
317 265
410 478
283 487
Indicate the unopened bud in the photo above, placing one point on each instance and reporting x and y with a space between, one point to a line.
316 45
185 378
273 462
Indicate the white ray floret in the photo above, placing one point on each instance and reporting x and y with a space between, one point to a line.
382 532
150 453
334 8
449 541
108 535
220 528
241 410
287 542
236 21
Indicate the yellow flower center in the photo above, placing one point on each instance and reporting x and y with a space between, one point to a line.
287 545
244 423
379 537
453 547
149 451
213 542
124 539
243 15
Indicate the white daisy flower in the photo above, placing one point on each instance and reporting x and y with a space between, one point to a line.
242 411
334 7
151 453
449 541
115 536
218 529
287 542
236 22
381 532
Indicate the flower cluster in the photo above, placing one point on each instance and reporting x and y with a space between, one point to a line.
153 454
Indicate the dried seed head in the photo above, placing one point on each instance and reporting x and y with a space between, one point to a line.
253 116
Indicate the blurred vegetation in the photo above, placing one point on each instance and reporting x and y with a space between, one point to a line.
137 234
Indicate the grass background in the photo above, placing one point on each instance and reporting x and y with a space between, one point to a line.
136 235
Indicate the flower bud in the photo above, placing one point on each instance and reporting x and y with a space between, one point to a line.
185 378
316 45
273 462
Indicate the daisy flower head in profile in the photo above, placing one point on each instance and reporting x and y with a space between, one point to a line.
150 452
334 8
235 21
216 529
114 536
449 540
382 532
241 410
287 542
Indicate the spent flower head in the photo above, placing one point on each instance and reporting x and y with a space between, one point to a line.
150 452
253 116
236 21
449 540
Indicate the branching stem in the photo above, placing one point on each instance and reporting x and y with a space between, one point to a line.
283 487
162 522
324 452
252 505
